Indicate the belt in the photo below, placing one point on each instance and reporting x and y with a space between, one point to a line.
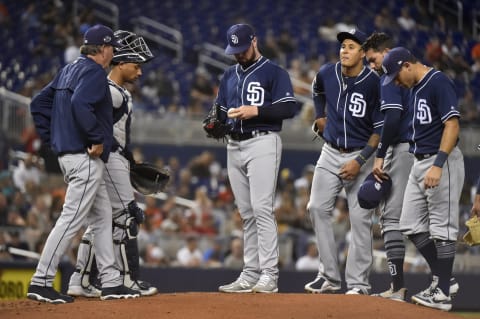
246 136
71 152
345 150
421 157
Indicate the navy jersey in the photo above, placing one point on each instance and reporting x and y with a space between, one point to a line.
262 84
352 105
74 111
395 97
433 101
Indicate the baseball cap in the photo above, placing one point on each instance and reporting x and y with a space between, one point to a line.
354 34
239 38
372 192
393 62
99 35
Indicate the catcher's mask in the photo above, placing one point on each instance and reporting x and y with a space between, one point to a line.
134 49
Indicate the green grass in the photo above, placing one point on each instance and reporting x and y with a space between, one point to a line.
469 315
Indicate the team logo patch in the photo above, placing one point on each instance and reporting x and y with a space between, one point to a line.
234 39
107 39
378 186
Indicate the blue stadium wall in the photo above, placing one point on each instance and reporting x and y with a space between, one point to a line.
177 280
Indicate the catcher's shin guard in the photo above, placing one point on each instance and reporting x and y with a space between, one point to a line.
130 261
86 253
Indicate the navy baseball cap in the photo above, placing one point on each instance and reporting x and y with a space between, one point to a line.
100 35
354 34
393 62
372 192
239 38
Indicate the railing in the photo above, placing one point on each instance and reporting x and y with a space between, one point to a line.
161 34
104 10
214 56
14 113
456 10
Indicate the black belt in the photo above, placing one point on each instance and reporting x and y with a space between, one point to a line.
421 157
345 150
246 136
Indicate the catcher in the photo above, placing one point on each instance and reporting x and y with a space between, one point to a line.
126 67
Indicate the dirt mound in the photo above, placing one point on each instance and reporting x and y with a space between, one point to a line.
222 306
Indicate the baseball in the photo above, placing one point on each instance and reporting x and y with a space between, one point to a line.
231 110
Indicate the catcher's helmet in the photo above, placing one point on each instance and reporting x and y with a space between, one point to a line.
134 49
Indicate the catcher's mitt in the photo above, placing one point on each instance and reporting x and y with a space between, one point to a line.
148 179
212 124
472 236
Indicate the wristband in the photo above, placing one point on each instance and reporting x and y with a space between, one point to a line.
440 159
366 152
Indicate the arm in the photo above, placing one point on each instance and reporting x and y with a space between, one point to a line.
391 125
41 110
278 111
351 168
450 134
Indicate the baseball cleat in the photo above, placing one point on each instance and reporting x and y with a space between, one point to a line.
399 295
119 292
145 288
238 286
88 292
434 298
47 294
322 286
358 291
265 284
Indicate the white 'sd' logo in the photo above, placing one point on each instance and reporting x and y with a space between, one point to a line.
255 93
107 39
234 38
357 105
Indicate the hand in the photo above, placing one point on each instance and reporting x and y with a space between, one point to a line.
95 150
378 171
243 112
349 170
432 177
476 206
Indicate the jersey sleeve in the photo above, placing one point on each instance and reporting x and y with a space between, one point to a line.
318 95
391 97
41 110
447 100
282 89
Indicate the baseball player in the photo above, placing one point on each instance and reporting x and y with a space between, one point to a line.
431 204
73 114
257 95
350 127
394 159
126 67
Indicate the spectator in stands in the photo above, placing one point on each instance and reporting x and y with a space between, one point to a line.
383 21
270 48
475 54
190 255
72 51
234 259
286 43
328 31
309 261
467 107
30 169
4 16
405 20
17 242
154 256
160 89
30 19
201 93
433 53
214 255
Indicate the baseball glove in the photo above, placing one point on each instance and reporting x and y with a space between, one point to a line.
212 124
148 179
472 236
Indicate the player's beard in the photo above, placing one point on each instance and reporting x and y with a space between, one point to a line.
247 60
